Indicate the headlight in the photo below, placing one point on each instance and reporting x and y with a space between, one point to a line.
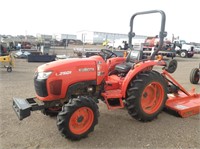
43 75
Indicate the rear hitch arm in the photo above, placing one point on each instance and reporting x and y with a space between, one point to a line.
174 82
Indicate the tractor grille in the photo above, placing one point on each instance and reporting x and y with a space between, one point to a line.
55 87
40 87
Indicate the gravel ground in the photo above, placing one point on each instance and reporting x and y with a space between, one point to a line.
116 129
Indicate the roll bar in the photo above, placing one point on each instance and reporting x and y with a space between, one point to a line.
162 33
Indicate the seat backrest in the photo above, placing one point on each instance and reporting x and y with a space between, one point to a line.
134 56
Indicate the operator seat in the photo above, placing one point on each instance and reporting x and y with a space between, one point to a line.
133 57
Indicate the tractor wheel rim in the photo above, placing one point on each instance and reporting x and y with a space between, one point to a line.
81 120
152 98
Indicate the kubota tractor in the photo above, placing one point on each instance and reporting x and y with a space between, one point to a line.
72 88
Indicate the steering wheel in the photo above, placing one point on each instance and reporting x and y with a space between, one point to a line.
106 54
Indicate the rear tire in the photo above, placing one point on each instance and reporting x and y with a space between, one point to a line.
183 54
194 76
78 118
190 55
146 96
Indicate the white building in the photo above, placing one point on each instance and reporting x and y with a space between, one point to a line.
94 37
60 37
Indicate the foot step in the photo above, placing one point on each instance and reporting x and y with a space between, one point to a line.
113 99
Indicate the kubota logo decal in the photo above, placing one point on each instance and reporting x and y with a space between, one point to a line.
86 69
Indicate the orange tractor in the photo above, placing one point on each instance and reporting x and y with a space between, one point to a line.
71 88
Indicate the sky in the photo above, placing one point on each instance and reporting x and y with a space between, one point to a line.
30 17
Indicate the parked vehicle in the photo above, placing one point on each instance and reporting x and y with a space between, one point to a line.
120 44
26 45
72 88
105 43
151 43
6 59
184 49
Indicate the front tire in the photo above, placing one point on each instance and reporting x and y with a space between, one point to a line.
146 96
194 76
78 118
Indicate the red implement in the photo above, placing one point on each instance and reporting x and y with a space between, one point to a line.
184 103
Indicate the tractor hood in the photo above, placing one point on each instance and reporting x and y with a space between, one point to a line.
66 64
53 79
